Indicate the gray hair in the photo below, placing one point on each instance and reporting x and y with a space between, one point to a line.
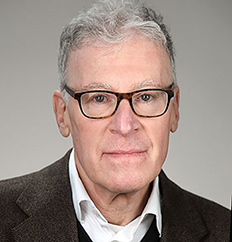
111 22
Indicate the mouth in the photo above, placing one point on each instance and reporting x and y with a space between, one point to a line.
125 153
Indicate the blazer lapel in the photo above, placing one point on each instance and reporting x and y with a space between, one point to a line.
181 221
48 203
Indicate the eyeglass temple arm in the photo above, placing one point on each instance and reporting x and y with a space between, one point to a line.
173 85
69 91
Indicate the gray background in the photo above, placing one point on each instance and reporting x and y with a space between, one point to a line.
200 155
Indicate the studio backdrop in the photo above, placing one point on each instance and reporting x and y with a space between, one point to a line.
200 153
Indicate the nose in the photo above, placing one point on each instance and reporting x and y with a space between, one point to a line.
124 121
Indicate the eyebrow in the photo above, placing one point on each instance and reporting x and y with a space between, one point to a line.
107 86
96 85
147 83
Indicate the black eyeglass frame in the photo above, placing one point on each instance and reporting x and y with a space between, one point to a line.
120 97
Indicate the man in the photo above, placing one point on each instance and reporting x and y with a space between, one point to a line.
119 100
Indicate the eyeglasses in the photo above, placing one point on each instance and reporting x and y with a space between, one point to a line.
98 104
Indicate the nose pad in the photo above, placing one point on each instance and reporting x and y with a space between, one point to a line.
124 121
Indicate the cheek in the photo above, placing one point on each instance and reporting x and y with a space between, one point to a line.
159 136
86 136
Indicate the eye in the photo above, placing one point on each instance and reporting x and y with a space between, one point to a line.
145 97
99 98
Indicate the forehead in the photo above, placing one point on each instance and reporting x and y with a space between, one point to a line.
126 66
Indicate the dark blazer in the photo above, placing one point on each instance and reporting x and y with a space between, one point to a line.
38 207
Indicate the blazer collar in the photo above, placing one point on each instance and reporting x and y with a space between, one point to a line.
47 202
181 220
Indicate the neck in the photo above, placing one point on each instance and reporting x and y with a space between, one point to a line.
123 208
119 208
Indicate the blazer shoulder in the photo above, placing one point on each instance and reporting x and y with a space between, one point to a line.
189 208
215 217
14 186
200 203
210 210
28 187
10 213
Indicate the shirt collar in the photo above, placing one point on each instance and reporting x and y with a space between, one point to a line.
80 196
153 205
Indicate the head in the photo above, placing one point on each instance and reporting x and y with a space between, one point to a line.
118 46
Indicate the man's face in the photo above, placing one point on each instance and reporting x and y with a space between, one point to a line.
122 153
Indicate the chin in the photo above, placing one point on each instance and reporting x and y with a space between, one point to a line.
129 183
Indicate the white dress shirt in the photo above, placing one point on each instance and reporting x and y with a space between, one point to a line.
97 226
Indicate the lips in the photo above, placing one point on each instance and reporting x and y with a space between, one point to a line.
120 154
125 152
124 149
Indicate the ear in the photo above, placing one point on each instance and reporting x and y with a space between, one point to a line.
61 113
176 114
